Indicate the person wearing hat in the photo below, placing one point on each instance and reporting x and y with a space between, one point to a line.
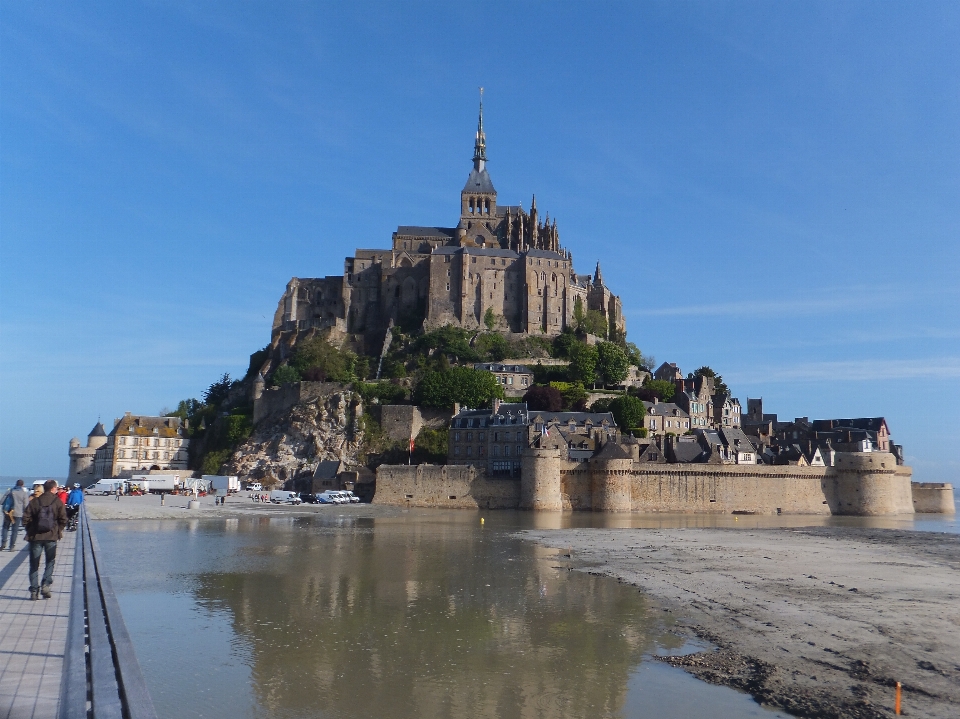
14 502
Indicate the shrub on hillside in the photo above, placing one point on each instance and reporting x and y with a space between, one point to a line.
543 399
283 375
464 385
323 361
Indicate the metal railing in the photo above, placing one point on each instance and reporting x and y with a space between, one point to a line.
101 674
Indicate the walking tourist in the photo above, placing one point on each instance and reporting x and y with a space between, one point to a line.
14 503
44 518
119 492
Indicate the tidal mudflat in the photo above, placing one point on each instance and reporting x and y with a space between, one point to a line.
820 621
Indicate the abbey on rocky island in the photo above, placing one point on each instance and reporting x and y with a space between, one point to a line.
500 265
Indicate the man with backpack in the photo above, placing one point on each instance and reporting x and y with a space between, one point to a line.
44 518
14 503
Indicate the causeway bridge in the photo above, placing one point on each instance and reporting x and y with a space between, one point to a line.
70 656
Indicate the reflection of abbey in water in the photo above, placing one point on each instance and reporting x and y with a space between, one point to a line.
499 260
403 618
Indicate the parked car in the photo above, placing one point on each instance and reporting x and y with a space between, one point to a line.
308 497
255 487
330 497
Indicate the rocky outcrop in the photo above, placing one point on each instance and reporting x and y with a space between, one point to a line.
294 442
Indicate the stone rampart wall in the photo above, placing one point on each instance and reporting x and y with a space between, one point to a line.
933 497
451 486
860 485
280 399
400 422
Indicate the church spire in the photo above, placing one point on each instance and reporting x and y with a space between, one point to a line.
480 146
597 277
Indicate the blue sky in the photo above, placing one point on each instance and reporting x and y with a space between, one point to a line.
773 188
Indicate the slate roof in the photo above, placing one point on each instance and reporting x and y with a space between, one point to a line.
136 425
494 367
548 254
688 452
732 434
327 469
872 424
98 431
479 251
597 418
664 409
443 233
612 450
479 181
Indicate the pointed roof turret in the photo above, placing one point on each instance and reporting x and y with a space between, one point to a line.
479 180
480 146
98 431
597 277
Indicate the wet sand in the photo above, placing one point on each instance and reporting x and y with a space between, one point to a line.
820 621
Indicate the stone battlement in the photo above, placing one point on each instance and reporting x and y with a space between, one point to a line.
868 485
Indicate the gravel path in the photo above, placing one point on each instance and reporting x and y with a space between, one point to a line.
820 622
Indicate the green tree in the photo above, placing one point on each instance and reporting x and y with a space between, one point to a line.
612 363
323 361
573 393
563 342
579 315
637 358
543 399
469 387
430 446
594 323
489 319
719 385
218 391
491 346
628 412
448 340
601 405
583 363
284 374
663 389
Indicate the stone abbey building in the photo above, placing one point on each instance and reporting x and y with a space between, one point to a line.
499 258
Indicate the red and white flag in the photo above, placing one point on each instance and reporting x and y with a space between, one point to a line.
411 444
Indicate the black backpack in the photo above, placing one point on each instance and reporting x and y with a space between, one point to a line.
46 519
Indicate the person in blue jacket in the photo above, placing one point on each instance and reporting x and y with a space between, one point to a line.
74 500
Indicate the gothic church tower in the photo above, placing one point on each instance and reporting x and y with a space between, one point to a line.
478 200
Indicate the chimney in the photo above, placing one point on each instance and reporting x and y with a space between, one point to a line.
496 404
456 408
656 400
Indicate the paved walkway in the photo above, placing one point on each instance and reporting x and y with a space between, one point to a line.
32 634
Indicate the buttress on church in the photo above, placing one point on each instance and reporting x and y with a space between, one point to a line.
499 258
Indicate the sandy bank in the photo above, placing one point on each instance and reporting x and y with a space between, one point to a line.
819 621
175 507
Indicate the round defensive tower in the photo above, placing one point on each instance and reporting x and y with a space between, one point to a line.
871 484
611 479
540 480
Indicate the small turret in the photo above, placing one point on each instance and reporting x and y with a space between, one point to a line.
258 386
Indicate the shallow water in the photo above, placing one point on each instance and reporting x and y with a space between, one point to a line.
427 614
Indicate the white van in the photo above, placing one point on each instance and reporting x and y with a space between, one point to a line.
255 487
348 497
279 496
105 486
